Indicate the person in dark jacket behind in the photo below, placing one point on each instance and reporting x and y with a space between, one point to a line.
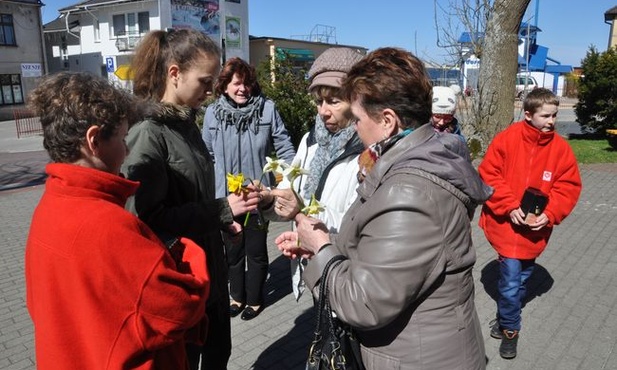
176 71
241 128
102 290
407 285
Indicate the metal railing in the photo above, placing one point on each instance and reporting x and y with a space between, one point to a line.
26 123
126 41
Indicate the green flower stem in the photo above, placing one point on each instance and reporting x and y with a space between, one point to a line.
248 214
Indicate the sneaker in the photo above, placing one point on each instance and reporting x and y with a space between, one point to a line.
495 330
507 349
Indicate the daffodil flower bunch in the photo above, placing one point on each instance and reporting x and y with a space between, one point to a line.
314 207
235 184
291 173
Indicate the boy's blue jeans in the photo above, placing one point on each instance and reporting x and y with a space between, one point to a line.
512 287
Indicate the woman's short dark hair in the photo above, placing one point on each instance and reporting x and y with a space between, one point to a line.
69 103
391 78
245 72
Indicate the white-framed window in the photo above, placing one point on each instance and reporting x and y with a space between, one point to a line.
131 24
128 29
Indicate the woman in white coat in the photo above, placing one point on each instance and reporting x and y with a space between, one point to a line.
328 152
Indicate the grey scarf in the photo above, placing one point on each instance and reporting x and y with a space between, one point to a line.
241 117
329 147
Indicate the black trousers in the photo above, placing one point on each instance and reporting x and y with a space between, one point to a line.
248 261
216 350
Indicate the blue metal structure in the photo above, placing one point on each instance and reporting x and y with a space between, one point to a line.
535 57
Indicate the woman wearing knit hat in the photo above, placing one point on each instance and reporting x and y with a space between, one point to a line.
329 151
444 107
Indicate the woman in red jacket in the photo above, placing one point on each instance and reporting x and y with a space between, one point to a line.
102 290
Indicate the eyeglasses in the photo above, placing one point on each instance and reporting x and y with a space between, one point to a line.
447 118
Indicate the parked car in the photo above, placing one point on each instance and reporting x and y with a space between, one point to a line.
524 84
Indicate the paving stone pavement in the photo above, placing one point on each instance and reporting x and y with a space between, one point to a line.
569 321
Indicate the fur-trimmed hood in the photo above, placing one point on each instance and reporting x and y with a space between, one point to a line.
168 113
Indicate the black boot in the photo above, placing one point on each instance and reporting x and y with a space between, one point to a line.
509 340
496 330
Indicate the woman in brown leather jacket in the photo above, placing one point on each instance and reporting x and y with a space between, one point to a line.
407 285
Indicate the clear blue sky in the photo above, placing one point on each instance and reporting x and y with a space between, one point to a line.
568 27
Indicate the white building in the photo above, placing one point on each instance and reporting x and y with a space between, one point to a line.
99 36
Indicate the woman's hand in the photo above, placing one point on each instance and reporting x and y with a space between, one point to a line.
244 202
287 243
286 204
312 233
267 198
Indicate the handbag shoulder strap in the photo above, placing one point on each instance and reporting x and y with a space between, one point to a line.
323 289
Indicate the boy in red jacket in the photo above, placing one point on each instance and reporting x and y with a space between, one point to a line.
526 159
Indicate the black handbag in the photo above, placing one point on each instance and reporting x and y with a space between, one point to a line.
334 346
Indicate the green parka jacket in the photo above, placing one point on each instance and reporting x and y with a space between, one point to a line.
176 194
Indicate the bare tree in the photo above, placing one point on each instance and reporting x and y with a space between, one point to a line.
493 28
458 16
494 106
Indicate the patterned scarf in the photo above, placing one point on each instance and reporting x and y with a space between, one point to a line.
241 117
329 147
371 154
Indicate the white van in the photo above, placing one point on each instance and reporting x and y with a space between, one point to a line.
524 84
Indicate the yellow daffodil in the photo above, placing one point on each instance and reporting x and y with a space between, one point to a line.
314 207
274 165
294 171
235 183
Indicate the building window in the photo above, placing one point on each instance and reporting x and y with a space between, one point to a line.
12 92
143 21
7 31
128 29
131 24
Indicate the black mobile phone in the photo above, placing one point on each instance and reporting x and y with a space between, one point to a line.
176 249
534 201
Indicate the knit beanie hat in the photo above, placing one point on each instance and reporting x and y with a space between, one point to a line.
332 66
444 100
